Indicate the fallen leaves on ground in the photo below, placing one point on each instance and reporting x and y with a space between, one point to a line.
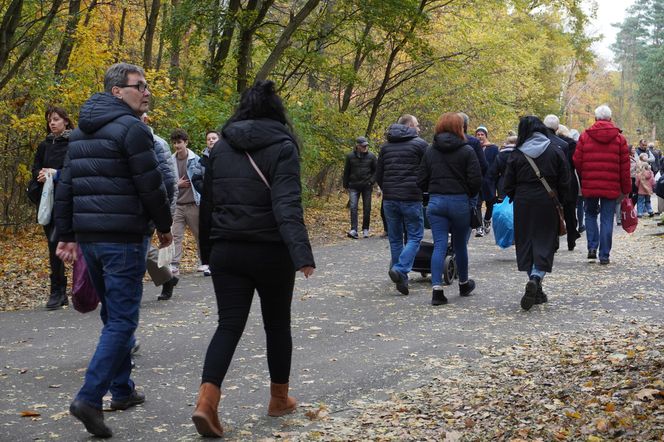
565 387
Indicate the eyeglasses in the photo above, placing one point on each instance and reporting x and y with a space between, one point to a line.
141 87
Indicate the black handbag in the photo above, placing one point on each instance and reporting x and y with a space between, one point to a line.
475 219
34 191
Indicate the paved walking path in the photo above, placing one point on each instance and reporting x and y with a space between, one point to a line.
354 337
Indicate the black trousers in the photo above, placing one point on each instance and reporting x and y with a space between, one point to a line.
239 268
571 223
57 267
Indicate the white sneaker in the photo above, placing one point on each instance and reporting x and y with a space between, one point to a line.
203 268
365 233
175 270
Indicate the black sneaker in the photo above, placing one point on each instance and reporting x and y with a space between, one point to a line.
604 261
92 418
167 289
541 297
135 398
530 295
400 280
592 254
438 297
466 288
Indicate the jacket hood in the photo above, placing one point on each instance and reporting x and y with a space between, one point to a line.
101 109
64 136
535 145
603 131
447 142
400 132
253 135
190 155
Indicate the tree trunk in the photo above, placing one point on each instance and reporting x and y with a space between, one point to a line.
245 41
8 28
175 46
220 47
162 35
381 90
36 40
62 61
88 14
284 39
357 64
149 33
123 21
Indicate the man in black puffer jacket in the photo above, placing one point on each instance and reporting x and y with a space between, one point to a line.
359 175
110 194
396 174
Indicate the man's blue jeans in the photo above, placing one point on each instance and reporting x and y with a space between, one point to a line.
402 214
354 196
602 236
580 203
116 270
449 214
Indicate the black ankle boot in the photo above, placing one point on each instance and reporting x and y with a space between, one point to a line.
530 293
541 297
466 288
438 297
167 289
57 299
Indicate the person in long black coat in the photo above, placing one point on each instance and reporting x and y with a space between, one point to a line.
536 221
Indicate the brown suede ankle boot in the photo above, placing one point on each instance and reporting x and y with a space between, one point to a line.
280 402
205 416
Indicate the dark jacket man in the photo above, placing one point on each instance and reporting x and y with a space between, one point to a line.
398 164
359 170
112 163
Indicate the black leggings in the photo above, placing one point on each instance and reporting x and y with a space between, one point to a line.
239 268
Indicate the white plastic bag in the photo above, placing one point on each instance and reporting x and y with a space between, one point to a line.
46 202
165 255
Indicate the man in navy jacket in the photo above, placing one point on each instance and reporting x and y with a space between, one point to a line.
110 198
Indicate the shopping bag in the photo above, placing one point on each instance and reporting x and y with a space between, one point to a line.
83 293
503 223
165 255
46 202
628 217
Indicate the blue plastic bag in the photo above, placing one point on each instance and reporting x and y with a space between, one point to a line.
503 223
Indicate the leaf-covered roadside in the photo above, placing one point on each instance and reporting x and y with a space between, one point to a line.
591 386
24 268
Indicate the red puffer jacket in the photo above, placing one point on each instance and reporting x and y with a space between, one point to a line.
602 161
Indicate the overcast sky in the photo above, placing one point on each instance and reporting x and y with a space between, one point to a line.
608 12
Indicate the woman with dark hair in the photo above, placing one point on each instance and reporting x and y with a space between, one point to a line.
254 224
450 172
536 221
49 159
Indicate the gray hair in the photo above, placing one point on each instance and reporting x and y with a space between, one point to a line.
406 120
574 134
563 130
552 122
603 112
117 75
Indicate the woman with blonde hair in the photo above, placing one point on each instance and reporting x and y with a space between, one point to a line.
450 172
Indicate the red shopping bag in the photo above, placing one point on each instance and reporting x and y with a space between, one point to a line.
83 293
628 217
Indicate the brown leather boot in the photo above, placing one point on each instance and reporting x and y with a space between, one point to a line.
205 416
280 402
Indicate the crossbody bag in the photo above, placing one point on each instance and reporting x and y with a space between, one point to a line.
562 230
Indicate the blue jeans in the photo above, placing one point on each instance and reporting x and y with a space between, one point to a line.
354 195
580 202
643 205
449 213
402 214
602 236
116 270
